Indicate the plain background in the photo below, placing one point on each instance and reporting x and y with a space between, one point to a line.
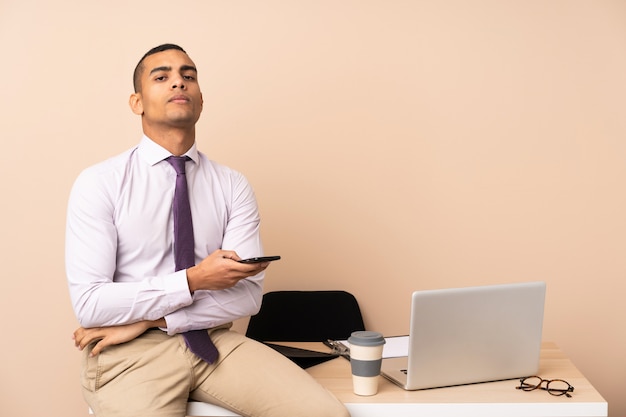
393 146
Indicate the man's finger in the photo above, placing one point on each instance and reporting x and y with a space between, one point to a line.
87 337
97 348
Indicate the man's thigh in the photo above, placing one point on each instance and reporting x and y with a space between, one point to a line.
256 381
148 376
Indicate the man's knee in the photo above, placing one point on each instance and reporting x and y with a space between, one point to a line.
324 406
338 410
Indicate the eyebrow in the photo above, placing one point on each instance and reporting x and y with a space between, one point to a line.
168 68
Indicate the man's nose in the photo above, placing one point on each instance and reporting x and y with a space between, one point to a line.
178 82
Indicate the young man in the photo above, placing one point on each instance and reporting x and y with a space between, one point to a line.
135 308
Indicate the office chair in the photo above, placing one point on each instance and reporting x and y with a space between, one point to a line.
306 316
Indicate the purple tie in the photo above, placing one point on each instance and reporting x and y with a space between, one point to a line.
198 341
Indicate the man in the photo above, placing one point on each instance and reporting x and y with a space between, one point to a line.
135 309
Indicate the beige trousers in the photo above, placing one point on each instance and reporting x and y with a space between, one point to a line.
155 374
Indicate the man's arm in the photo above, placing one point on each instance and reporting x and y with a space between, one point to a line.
92 258
108 336
216 272
215 301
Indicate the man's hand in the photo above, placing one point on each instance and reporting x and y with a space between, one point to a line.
220 270
109 336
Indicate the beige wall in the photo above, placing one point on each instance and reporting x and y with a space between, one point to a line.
393 145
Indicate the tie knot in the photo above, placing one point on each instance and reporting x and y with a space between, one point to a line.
178 162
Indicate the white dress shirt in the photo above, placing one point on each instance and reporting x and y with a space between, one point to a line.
120 241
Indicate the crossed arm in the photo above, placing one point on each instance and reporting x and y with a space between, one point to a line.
217 271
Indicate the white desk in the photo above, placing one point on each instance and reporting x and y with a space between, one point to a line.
494 399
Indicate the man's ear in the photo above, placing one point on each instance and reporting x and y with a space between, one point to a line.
136 104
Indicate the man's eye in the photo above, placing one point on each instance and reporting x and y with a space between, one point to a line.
161 78
189 77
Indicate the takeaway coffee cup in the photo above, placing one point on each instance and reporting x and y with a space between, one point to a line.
366 353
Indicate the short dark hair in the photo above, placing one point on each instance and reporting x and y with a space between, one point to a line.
139 67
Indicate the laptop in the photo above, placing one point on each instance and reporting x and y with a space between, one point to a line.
469 335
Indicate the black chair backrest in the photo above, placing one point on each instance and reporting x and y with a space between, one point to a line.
306 316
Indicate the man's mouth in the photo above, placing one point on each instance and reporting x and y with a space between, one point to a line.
179 99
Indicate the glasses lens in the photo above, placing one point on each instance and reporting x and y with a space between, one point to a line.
530 383
558 387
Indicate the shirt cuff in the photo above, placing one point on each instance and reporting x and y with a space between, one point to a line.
177 322
177 290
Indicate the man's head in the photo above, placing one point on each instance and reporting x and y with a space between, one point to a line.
140 66
167 94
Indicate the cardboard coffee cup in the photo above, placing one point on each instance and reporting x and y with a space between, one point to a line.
366 353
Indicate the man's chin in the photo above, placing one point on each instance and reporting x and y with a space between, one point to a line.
183 120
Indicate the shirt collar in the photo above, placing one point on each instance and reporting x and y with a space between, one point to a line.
153 153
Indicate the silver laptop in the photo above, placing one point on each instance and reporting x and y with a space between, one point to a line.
469 335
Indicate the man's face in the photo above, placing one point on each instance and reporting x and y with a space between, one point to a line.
170 94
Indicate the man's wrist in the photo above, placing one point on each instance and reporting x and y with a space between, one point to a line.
161 323
191 279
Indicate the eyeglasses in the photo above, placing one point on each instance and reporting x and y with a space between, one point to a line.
555 387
